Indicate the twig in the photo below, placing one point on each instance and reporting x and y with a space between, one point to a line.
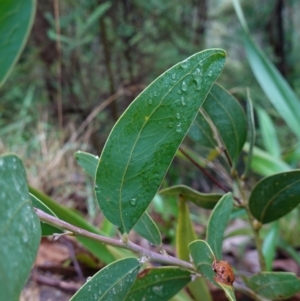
57 283
203 170
149 255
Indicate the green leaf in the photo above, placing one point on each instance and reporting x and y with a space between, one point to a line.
203 258
16 19
185 234
229 119
203 200
264 163
217 223
268 132
20 231
270 244
111 283
275 285
271 81
46 228
158 284
147 228
88 162
228 289
251 134
182 296
275 196
103 252
201 132
143 142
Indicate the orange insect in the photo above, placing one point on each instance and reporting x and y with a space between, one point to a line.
224 272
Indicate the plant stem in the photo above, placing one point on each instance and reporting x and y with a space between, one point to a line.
203 170
255 228
150 255
258 243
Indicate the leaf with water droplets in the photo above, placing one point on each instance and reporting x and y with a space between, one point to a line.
143 142
158 284
111 283
20 231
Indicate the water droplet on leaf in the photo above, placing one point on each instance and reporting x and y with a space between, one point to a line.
184 86
157 290
184 64
133 201
198 80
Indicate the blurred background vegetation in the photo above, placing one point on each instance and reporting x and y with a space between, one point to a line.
86 60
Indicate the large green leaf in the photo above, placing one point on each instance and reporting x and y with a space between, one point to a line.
217 224
271 81
143 142
275 285
46 228
229 119
111 283
145 226
185 234
16 19
20 231
203 200
158 284
275 196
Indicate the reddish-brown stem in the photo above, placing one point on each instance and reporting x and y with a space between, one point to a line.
203 170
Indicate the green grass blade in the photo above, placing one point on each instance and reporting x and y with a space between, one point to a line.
271 81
